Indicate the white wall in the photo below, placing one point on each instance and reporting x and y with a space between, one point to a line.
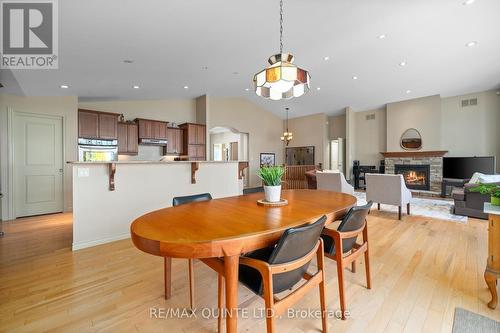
370 136
65 107
263 127
473 130
423 114
102 216
337 127
311 131
443 123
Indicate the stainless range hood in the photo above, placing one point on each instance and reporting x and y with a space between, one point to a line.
153 142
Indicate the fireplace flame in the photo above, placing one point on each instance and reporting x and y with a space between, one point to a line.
414 178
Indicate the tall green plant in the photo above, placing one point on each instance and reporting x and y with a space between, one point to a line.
491 189
271 176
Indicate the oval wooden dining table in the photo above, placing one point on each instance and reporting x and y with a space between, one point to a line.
229 227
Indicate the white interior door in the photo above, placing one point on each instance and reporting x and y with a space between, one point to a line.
38 164
341 155
334 155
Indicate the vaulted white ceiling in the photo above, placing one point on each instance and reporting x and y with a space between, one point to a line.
214 47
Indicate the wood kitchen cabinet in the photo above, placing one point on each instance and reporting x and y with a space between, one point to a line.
194 136
108 126
128 139
97 125
88 124
200 134
152 129
174 141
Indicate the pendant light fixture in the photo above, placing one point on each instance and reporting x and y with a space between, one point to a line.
287 135
282 79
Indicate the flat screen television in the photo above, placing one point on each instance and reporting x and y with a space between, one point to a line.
464 167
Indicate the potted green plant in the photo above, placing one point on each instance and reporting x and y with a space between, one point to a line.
492 189
271 176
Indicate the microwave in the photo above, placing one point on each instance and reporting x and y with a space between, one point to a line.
91 150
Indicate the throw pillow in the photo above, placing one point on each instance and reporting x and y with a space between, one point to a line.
475 178
486 179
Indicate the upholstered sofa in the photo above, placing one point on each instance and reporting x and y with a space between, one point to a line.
469 203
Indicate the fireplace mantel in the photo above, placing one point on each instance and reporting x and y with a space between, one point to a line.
434 153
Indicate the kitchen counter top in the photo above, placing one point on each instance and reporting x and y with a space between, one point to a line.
150 162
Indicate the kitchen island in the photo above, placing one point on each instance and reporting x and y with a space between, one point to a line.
108 196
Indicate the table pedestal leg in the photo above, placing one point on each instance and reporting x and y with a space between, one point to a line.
167 275
231 276
491 281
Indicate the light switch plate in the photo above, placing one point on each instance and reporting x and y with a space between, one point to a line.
83 172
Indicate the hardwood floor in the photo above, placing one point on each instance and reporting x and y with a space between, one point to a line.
421 270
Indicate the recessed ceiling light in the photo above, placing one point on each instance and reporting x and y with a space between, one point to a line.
186 87
408 91
468 2
326 58
471 44
236 73
381 36
402 63
354 77
247 89
136 87
64 86
318 88
128 61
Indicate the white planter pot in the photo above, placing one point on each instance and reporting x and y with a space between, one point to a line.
272 193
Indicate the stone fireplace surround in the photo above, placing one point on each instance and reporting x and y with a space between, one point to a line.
432 158
416 169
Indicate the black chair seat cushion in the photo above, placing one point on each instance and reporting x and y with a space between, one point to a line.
251 277
353 220
294 244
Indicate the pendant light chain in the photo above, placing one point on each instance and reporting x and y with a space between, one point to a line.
281 26
287 119
281 79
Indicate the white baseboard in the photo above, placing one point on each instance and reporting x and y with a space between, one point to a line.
83 245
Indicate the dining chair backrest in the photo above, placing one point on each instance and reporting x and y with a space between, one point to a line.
353 220
191 198
294 244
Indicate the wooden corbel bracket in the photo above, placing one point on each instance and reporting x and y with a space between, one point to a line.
112 170
241 166
194 168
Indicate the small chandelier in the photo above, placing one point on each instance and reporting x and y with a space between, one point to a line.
287 135
282 79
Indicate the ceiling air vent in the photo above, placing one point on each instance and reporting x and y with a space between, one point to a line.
370 116
469 102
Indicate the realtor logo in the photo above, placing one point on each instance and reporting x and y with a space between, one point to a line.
29 34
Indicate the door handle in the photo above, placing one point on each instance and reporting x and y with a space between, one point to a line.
61 170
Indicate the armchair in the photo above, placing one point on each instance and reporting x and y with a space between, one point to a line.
388 189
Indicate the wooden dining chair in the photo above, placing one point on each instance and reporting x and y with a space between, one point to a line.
341 245
275 269
176 201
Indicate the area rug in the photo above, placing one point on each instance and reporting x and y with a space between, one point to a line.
470 322
435 208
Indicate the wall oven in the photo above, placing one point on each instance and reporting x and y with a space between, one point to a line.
96 150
